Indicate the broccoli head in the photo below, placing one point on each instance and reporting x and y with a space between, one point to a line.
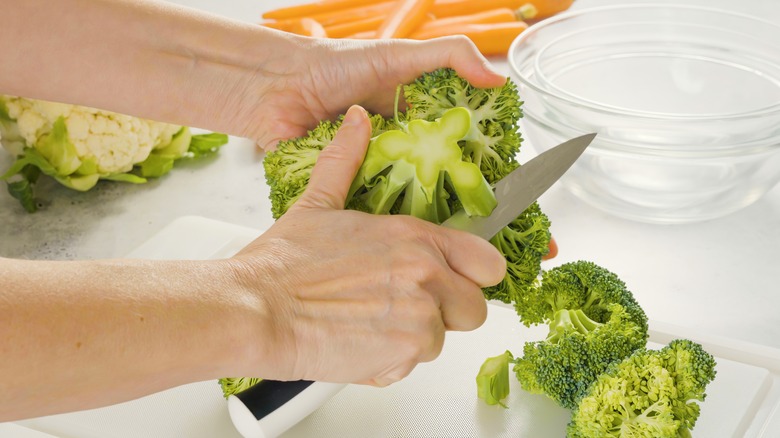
651 394
492 141
594 321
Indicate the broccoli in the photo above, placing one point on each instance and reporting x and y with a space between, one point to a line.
493 140
651 394
594 321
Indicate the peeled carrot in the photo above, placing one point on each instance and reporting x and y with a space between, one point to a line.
346 29
314 8
451 8
553 250
354 14
500 15
404 18
490 39
548 8
309 27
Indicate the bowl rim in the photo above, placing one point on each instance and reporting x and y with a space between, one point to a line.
624 112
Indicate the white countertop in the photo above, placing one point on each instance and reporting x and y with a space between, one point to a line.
718 276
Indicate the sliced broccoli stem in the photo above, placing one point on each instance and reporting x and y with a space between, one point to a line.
566 321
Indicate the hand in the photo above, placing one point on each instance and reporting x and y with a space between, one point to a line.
356 297
325 77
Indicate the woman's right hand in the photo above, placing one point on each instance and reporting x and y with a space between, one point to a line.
344 296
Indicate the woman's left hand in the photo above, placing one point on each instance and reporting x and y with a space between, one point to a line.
321 79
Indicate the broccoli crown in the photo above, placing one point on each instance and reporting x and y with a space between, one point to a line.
594 321
492 141
523 243
578 285
650 394
576 351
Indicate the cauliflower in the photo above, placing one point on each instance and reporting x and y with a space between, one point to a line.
78 145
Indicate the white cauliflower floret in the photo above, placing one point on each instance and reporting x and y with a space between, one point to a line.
115 142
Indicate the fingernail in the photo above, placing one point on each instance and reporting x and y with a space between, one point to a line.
354 115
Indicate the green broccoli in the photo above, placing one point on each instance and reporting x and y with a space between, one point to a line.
287 170
651 394
493 140
594 321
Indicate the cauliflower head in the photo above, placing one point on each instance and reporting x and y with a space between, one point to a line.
77 145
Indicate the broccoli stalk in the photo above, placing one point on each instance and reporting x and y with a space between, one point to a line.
417 161
651 394
594 321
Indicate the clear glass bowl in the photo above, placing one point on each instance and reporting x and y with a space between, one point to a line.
686 102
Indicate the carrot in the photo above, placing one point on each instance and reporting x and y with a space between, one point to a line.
354 14
452 8
365 35
490 39
314 8
404 18
345 29
309 27
548 8
553 250
500 15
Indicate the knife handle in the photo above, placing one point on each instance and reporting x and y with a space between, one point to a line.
269 408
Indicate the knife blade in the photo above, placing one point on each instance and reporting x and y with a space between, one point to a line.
520 188
270 407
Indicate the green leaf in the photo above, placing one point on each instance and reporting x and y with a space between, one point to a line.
58 150
81 183
206 144
156 166
179 144
22 189
125 177
493 379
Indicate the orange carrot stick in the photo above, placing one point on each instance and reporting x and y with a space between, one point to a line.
500 15
553 250
404 18
490 39
354 14
314 8
452 8
309 27
345 29
548 8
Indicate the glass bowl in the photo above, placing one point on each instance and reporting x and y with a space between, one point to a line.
685 101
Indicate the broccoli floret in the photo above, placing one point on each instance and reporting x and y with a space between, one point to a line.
523 243
493 140
288 168
651 394
234 385
594 321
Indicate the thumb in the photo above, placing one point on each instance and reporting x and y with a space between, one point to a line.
338 163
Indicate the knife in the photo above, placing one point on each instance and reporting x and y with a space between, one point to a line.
270 407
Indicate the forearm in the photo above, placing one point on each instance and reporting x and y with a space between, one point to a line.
77 335
143 58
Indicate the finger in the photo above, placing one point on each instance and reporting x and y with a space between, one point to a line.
462 305
338 163
472 257
460 54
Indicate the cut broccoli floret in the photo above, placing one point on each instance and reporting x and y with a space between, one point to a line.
234 385
651 394
594 321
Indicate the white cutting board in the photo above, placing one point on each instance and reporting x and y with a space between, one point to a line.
437 400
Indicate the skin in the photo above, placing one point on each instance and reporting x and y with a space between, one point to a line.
292 304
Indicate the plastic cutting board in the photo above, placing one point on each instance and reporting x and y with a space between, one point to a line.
437 400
